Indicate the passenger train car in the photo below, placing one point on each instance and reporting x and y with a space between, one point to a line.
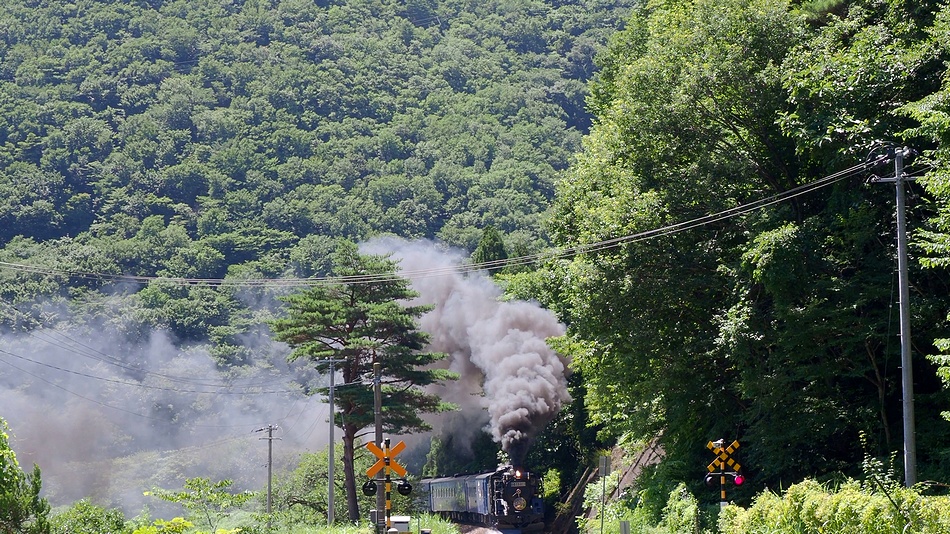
507 499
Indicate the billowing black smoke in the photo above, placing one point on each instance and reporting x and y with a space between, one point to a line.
498 347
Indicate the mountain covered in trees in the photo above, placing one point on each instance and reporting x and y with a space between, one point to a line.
161 162
237 139
693 174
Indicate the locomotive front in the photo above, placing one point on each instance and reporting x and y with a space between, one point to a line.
518 502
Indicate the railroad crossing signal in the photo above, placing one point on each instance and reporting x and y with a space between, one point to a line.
719 465
723 458
385 459
385 462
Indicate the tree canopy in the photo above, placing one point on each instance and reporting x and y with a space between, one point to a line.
22 509
363 320
771 325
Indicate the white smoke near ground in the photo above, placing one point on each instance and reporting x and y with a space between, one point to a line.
497 347
107 417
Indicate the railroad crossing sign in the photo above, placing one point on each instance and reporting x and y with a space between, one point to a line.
386 463
723 458
385 459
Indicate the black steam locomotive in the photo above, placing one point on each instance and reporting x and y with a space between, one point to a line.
507 499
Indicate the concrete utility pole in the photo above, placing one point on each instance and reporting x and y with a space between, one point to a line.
330 486
907 370
378 413
270 463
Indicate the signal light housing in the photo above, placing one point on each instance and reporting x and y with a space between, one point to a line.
713 479
404 487
369 489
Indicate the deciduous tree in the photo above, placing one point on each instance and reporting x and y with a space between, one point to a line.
22 510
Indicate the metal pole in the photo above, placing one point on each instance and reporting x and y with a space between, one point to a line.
603 501
378 413
389 522
907 371
270 466
604 468
722 486
332 446
270 463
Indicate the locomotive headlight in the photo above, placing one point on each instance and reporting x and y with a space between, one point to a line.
519 503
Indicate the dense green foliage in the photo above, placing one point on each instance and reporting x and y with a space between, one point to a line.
805 508
810 507
22 509
187 138
83 517
773 326
206 501
237 141
360 320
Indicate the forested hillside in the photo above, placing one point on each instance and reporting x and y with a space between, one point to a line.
695 177
207 139
230 144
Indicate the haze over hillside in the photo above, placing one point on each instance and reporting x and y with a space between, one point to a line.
232 142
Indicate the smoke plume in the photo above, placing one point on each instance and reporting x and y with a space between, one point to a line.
498 347
107 415
107 419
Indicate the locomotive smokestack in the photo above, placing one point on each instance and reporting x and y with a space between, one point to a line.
498 347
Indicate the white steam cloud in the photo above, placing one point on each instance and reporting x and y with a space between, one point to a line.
107 418
498 347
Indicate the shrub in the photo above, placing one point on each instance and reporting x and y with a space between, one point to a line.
810 507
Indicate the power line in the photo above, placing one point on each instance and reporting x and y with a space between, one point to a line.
59 340
103 404
556 253
140 384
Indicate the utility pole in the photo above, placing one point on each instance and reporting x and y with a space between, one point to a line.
907 371
378 414
270 463
604 471
330 486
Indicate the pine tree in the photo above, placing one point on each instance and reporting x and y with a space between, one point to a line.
491 249
363 318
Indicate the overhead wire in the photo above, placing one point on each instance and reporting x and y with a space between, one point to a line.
555 253
92 353
139 384
59 340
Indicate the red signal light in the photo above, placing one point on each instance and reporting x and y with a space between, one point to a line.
739 479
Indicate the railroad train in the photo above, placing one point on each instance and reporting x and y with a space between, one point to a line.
507 499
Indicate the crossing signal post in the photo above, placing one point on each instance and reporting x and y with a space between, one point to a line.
386 463
718 468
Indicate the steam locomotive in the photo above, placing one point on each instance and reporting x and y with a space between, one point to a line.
507 499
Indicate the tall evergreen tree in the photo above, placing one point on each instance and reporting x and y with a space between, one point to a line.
364 319
491 248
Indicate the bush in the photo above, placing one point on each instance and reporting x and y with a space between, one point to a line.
84 517
810 507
